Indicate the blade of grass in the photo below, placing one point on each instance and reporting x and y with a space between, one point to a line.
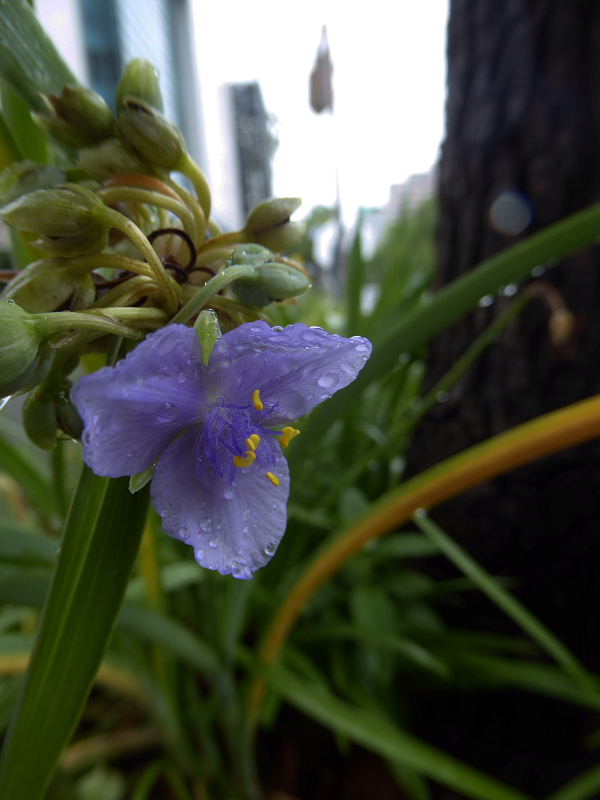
415 328
381 737
584 787
502 598
99 545
29 61
521 445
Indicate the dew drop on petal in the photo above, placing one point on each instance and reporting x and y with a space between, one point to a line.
327 380
228 494
245 529
270 548
486 301
183 533
206 524
213 542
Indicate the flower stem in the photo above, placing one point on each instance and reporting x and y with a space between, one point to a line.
212 287
189 168
550 433
132 194
113 321
195 208
160 275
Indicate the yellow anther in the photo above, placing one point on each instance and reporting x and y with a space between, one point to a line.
287 434
253 441
246 460
256 400
273 478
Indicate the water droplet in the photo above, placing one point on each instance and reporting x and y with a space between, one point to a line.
420 513
277 328
183 533
228 494
486 301
441 397
213 542
509 290
206 524
404 358
270 548
327 380
362 348
245 529
538 271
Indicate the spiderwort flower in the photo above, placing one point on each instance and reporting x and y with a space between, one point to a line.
215 432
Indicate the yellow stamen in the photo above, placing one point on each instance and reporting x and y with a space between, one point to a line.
273 478
287 434
253 441
246 460
256 400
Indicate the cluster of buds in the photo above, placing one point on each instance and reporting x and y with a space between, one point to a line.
119 248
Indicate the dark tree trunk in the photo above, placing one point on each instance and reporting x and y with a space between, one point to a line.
523 124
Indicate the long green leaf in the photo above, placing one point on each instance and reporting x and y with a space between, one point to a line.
99 545
584 787
415 328
380 736
504 600
29 61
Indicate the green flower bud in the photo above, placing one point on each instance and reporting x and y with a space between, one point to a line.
110 158
67 415
68 217
281 281
49 284
39 418
77 117
282 239
252 254
271 282
150 135
23 177
271 214
269 224
22 355
140 80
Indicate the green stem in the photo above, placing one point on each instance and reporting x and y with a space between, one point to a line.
117 194
109 321
131 230
198 179
84 264
194 206
211 288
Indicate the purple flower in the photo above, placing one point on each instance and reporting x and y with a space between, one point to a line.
214 432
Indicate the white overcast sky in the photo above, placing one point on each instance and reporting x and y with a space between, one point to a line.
389 89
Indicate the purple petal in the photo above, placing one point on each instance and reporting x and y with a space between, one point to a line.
234 528
295 368
133 410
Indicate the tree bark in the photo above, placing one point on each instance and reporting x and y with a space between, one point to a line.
523 124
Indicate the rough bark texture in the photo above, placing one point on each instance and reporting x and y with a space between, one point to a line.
523 115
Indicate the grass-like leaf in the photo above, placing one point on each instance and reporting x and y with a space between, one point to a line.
380 736
98 547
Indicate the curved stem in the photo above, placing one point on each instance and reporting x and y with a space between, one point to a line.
194 206
550 433
126 226
109 261
189 168
113 321
211 288
131 194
